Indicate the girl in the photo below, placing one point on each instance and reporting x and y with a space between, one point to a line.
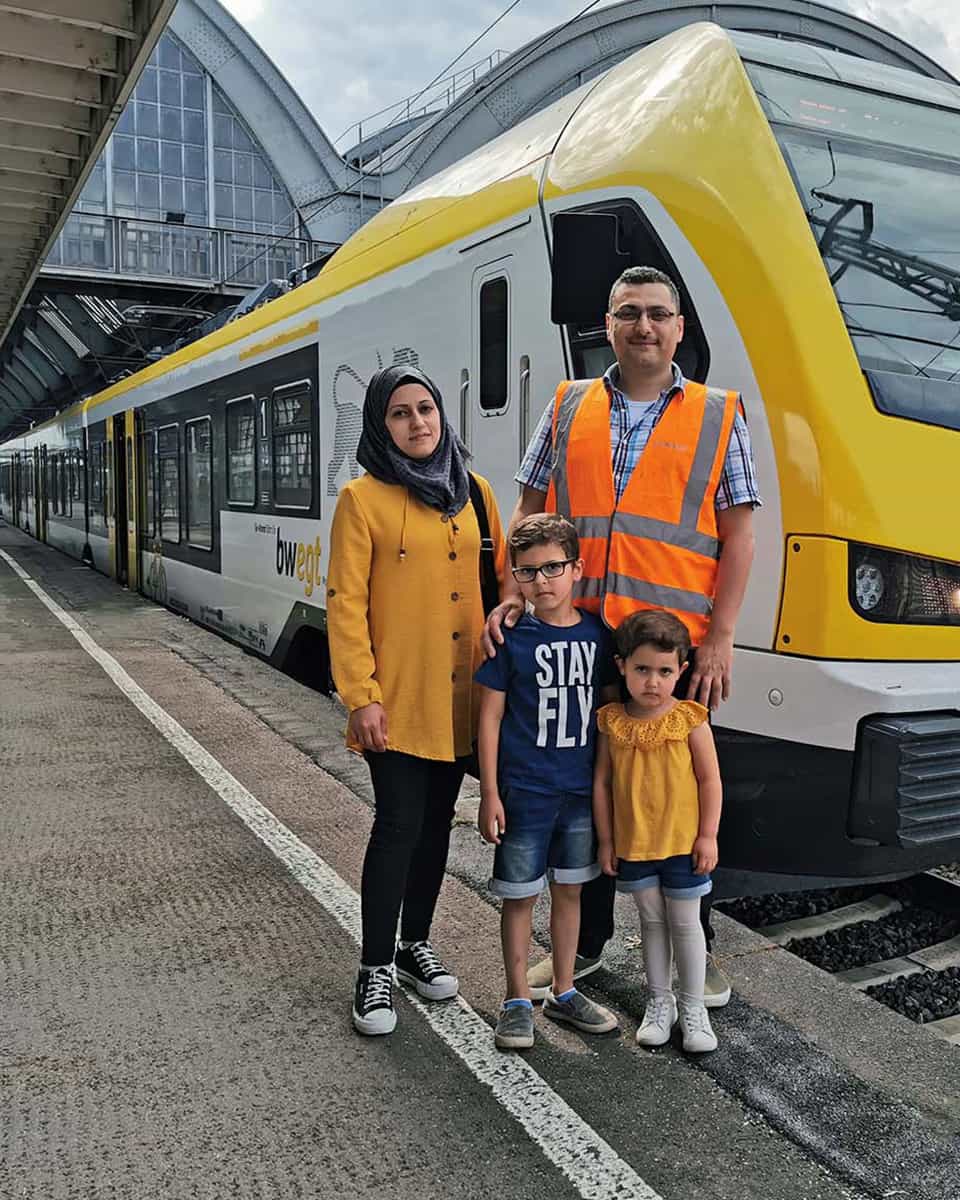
404 612
656 802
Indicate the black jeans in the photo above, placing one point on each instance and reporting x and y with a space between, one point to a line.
596 898
407 852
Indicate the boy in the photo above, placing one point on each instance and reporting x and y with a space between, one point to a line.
536 745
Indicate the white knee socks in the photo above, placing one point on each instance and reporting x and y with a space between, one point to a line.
689 947
656 940
665 921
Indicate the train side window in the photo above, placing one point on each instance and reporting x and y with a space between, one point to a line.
292 450
53 484
199 448
66 460
494 336
148 482
241 451
95 462
168 460
76 473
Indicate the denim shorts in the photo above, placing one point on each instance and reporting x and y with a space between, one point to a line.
675 876
549 837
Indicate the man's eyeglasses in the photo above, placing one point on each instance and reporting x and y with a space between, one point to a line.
549 570
629 314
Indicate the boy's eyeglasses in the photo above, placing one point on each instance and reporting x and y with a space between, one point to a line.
549 570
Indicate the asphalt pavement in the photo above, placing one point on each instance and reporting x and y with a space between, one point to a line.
182 834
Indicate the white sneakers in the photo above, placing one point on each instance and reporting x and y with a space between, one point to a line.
662 1013
659 1018
698 1036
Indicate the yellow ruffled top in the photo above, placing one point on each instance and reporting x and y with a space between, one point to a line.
656 799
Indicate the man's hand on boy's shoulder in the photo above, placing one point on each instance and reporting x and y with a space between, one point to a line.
492 819
508 613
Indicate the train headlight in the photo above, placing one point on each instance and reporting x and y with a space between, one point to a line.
869 586
903 588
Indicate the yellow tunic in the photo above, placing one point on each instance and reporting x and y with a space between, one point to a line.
404 628
656 800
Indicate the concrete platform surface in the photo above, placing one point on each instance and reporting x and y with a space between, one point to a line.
176 971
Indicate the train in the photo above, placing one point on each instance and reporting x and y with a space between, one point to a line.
805 202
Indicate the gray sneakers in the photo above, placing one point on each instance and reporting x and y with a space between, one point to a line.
514 1028
580 1012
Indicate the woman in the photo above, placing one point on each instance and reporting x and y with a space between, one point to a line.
404 613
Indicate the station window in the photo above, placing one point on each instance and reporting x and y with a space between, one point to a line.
199 447
241 463
292 455
168 461
494 339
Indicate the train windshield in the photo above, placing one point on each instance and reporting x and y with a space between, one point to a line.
879 178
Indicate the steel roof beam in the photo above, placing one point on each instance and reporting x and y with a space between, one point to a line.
23 183
35 339
114 17
31 362
42 206
14 136
84 327
59 349
15 383
46 114
46 82
31 163
49 42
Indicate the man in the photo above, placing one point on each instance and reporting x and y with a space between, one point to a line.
658 476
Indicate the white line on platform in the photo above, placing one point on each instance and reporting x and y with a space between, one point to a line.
574 1147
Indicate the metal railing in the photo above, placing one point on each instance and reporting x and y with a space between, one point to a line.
134 247
433 99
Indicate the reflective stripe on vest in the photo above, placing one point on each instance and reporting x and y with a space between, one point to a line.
635 556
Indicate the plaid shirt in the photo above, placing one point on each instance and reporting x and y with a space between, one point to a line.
738 483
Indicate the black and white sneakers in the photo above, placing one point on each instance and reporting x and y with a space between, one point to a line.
373 1010
418 964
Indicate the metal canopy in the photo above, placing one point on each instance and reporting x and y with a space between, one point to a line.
66 70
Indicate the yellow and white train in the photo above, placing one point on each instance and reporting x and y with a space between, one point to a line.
807 204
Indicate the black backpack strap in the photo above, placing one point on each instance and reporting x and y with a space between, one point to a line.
489 587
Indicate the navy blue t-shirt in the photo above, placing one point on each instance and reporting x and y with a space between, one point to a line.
552 676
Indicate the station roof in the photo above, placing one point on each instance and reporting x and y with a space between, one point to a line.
66 70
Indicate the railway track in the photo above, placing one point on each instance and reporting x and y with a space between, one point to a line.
899 942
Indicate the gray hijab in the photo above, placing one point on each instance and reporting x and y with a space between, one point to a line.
440 481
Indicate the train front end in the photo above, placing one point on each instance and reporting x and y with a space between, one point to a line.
869 621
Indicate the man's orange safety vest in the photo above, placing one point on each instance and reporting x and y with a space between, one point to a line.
657 548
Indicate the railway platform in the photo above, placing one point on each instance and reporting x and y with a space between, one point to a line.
181 834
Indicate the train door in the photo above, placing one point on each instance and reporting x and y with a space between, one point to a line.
117 525
492 392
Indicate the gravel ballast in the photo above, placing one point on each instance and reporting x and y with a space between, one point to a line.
873 941
928 996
